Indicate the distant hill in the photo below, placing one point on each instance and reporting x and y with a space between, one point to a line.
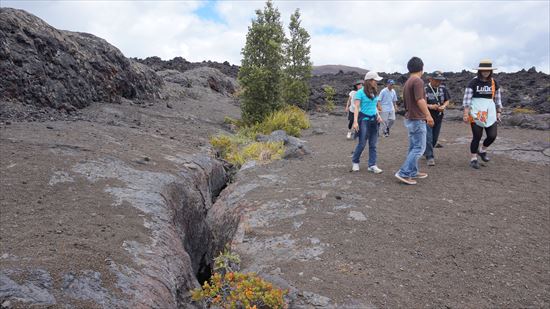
335 68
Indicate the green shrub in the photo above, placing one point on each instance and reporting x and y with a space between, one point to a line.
291 119
239 148
232 289
236 122
227 262
263 151
223 144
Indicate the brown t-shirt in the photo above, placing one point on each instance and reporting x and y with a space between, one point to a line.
413 90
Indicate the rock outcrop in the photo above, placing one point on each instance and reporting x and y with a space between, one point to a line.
182 65
201 77
524 89
46 67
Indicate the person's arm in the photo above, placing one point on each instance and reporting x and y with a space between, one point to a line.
498 103
466 103
348 103
447 98
356 115
380 98
424 108
394 100
443 106
420 97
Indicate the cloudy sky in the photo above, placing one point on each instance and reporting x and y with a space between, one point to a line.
382 36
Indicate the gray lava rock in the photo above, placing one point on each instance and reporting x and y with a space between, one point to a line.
318 131
203 77
295 147
529 121
87 286
182 65
46 67
316 299
36 289
176 77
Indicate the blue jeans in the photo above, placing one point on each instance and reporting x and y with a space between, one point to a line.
368 129
432 134
417 145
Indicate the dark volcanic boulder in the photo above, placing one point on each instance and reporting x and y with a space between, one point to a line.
46 67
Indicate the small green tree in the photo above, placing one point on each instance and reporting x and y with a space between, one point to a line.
297 64
261 75
329 97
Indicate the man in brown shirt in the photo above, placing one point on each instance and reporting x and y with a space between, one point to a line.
417 116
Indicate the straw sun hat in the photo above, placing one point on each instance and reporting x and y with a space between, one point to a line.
485 64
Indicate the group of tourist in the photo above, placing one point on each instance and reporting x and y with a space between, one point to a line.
369 110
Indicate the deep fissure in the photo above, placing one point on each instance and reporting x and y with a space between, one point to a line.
198 238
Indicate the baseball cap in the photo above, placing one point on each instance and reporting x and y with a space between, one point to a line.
437 75
373 75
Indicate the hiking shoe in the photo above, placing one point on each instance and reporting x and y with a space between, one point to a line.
474 164
405 180
349 135
438 145
421 175
355 167
483 156
374 169
431 162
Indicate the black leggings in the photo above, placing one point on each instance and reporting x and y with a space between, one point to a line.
477 133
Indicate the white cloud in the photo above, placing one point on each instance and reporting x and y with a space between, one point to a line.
381 35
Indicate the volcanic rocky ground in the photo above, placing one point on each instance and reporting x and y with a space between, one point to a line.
112 197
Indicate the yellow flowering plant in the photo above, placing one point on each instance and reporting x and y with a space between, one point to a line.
235 290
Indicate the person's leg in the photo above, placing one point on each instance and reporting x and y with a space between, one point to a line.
477 133
350 124
429 153
389 122
350 120
491 137
417 145
373 138
384 125
437 129
362 142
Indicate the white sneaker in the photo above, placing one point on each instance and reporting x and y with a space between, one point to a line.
355 167
374 169
349 135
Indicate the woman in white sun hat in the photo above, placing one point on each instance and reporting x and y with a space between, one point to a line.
482 110
366 120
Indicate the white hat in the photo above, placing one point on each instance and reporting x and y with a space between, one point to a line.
373 75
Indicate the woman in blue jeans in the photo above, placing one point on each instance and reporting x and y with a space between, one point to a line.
366 120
